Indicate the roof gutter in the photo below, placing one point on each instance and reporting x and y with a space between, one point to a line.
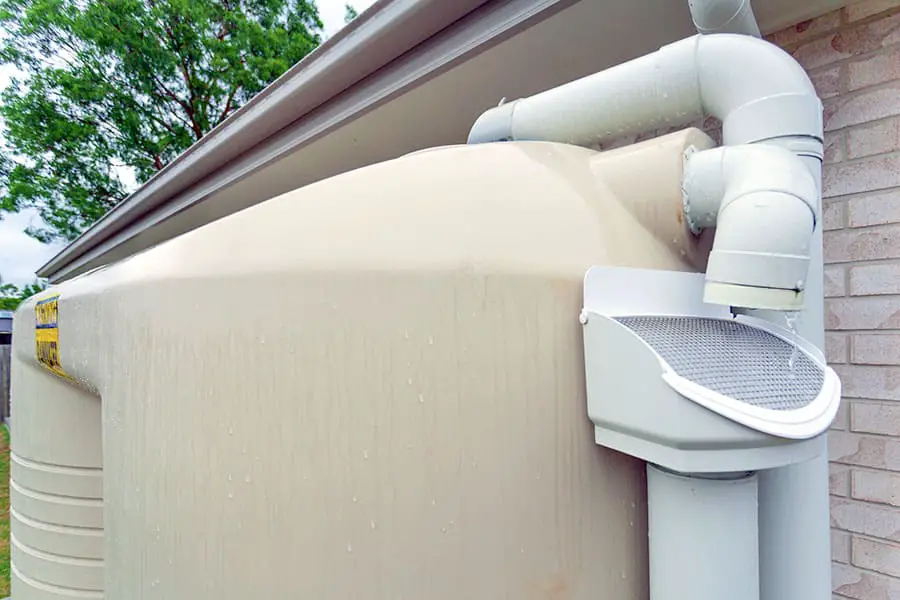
378 36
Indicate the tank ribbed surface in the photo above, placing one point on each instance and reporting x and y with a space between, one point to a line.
56 530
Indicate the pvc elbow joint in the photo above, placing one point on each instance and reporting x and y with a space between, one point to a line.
758 91
762 200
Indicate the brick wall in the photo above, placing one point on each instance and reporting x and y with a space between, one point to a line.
853 58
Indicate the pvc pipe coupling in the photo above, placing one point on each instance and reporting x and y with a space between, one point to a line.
762 201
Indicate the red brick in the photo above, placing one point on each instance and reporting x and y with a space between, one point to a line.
876 349
860 313
840 546
874 209
827 82
865 451
869 417
836 345
868 519
806 30
854 583
870 105
839 480
870 382
865 175
882 557
876 486
876 138
873 70
834 215
861 10
835 281
848 245
867 280
848 43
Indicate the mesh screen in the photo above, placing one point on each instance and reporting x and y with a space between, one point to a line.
733 359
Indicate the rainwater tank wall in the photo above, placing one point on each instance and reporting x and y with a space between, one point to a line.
371 387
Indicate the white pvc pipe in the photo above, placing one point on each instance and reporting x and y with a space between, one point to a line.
794 507
724 16
758 91
762 201
761 95
703 537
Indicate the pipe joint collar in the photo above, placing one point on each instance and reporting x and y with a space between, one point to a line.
762 201
494 125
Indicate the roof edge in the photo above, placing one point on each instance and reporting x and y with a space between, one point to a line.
379 35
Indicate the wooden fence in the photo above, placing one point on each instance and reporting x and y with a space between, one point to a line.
5 356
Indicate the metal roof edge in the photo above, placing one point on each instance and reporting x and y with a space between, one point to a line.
387 30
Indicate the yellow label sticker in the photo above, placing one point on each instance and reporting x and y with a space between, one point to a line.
46 334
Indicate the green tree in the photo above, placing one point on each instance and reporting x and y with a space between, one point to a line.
349 13
11 296
113 86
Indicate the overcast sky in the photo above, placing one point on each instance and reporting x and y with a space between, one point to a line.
21 255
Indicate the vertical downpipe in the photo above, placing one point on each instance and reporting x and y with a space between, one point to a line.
703 536
794 507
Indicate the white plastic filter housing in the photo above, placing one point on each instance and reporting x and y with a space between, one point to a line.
655 353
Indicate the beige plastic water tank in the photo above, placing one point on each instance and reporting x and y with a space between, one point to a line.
368 388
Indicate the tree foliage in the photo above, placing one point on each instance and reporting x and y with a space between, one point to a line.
11 296
349 13
113 86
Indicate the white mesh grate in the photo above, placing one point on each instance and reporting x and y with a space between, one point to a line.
734 359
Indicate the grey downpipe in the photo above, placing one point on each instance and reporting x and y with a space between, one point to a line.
703 536
794 538
724 16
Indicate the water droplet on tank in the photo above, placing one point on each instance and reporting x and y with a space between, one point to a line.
355 499
623 576
421 399
247 478
365 454
409 381
231 494
433 501
230 430
406 335
430 341
229 477
372 525
349 547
